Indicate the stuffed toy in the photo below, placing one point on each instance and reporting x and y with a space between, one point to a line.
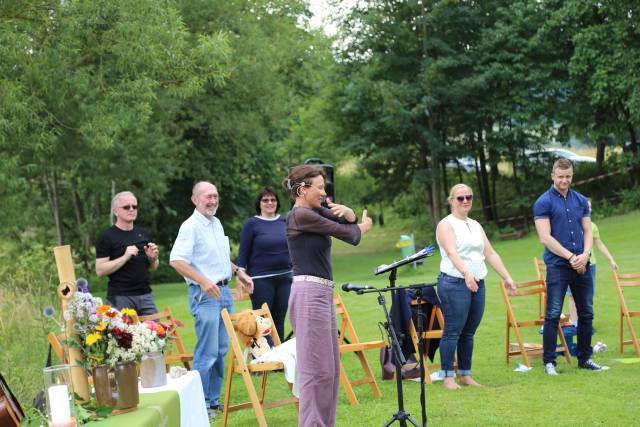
252 330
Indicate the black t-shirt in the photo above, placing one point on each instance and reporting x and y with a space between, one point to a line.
133 277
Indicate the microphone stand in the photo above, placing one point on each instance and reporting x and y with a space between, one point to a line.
401 415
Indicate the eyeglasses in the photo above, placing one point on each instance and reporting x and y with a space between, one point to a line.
129 207
463 198
270 200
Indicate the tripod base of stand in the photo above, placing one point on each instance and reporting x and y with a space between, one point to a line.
402 417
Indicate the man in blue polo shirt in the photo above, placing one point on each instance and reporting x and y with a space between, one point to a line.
563 224
202 255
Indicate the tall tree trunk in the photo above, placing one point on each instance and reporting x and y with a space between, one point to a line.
445 180
633 148
600 147
436 189
493 165
51 187
484 178
113 194
82 232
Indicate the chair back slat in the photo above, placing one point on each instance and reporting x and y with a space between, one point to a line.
630 284
540 267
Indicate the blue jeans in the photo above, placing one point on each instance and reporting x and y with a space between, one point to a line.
592 267
581 285
275 292
213 341
462 311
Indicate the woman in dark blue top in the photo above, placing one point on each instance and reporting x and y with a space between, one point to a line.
265 256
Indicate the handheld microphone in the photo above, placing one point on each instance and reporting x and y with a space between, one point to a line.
349 287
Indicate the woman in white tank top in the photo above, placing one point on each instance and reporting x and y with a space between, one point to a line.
464 247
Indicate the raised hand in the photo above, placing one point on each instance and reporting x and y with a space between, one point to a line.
366 223
341 211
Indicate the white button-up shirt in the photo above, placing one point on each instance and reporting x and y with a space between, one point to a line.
202 244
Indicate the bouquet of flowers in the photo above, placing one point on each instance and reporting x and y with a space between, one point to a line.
109 336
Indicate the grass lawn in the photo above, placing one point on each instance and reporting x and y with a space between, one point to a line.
575 397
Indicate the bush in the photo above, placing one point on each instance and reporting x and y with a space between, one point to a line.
27 285
629 199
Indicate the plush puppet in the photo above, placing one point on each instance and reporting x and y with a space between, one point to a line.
252 329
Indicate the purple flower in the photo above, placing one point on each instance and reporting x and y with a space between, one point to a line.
83 285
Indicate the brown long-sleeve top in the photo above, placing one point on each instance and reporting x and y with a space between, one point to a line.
309 233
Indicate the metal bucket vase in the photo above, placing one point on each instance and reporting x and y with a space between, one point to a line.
127 380
104 385
152 370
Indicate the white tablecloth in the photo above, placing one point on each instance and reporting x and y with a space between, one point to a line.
193 410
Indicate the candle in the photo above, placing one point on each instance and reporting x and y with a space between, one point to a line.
59 404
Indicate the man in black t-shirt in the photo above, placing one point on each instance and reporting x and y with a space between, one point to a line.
125 253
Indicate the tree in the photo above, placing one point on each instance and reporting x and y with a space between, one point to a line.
91 89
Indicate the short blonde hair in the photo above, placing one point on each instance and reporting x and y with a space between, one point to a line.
456 188
562 163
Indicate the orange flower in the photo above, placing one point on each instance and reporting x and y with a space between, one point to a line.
103 309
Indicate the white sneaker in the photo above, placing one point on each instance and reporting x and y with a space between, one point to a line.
550 369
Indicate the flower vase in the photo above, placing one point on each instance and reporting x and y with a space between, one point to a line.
127 380
152 370
103 385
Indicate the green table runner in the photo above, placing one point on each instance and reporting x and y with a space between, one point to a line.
154 410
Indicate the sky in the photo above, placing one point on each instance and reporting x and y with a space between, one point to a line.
321 10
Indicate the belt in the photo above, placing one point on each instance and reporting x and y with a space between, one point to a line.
305 278
220 284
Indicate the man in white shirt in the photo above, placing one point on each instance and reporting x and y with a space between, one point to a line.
202 255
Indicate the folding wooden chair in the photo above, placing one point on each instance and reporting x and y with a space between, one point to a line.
430 332
535 287
350 343
238 365
627 281
176 351
57 345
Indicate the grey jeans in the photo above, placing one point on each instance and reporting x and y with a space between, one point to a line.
142 304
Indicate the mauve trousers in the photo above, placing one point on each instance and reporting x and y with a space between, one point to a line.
311 310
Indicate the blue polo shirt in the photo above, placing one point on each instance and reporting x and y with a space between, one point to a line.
565 217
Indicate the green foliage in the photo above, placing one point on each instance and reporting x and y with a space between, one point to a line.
96 85
630 199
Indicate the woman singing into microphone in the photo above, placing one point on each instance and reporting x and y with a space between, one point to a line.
309 230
